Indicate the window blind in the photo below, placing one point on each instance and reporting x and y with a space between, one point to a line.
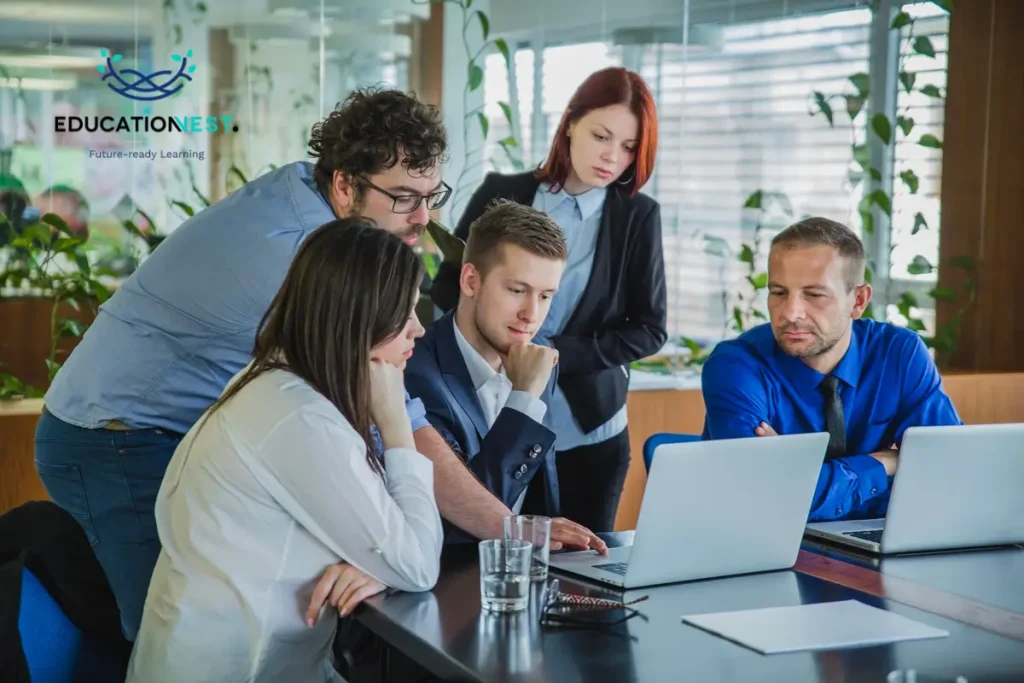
734 118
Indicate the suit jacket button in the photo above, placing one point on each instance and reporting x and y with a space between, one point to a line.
518 474
536 449
522 469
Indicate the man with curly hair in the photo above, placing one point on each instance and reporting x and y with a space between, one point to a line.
165 345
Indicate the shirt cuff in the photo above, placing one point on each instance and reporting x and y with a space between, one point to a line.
529 405
417 413
872 481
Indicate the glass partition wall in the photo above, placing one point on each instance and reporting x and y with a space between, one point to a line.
123 117
145 110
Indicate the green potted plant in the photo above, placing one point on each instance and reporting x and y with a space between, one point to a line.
49 293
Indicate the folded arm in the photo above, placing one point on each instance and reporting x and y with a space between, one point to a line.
737 404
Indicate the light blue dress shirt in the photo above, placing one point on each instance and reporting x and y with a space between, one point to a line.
162 349
580 219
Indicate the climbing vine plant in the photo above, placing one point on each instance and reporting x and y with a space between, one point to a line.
473 20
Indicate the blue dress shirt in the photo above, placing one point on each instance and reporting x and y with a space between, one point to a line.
888 383
162 349
580 219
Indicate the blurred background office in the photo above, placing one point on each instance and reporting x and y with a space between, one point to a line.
770 110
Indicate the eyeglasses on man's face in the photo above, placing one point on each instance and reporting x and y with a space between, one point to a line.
407 203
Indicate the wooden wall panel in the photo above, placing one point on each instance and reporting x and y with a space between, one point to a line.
25 337
987 398
651 412
983 181
19 482
426 66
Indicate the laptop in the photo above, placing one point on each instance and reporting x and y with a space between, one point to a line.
712 509
956 487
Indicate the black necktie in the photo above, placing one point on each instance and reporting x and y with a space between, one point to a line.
835 422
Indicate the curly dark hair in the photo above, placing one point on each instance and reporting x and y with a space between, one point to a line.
371 130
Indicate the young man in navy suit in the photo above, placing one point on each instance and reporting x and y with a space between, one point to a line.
483 378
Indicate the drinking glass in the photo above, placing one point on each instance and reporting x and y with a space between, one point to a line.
537 531
505 575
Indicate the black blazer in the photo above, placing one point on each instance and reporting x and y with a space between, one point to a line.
622 314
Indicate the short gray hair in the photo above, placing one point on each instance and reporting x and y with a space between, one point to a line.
817 231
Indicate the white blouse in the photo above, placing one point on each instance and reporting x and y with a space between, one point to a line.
273 490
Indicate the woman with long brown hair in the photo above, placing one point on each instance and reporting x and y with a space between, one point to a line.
285 474
610 309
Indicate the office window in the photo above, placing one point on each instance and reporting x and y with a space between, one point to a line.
734 120
734 116
497 89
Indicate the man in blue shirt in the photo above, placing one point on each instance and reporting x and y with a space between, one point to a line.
164 346
817 367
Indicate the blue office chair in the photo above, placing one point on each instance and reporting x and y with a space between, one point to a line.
56 651
655 440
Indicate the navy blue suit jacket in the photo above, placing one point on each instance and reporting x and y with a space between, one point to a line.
506 457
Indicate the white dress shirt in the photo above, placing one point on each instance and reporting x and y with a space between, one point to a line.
494 391
274 489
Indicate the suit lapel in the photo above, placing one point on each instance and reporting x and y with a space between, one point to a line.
456 374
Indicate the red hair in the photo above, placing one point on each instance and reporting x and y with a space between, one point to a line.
604 88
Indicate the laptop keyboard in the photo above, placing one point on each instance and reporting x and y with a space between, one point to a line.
874 535
613 567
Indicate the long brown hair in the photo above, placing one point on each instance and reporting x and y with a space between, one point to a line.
613 85
351 286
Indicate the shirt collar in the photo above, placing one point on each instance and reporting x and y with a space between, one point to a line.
801 374
480 371
848 369
590 202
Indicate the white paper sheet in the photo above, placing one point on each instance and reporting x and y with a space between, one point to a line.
819 626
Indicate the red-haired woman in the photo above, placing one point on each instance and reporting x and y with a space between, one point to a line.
610 308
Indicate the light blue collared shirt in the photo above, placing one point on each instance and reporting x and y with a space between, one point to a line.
162 349
580 219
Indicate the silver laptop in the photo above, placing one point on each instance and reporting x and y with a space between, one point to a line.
711 509
955 487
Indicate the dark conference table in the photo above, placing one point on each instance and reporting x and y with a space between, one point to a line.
976 596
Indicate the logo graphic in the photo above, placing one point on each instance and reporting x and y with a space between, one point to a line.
138 86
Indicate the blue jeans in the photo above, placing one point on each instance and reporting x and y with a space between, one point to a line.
108 481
